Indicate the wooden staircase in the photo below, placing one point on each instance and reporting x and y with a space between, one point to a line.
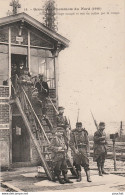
40 138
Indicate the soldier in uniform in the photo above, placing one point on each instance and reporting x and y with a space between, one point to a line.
25 83
100 150
79 143
61 120
59 150
62 124
43 91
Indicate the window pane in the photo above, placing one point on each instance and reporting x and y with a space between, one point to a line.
34 65
42 66
50 72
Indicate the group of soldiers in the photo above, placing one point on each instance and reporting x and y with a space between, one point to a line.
63 137
36 89
78 141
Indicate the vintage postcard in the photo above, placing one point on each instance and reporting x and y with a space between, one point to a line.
62 91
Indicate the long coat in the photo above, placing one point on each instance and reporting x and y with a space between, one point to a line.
79 140
100 144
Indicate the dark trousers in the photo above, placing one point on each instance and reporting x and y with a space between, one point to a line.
79 161
59 166
101 160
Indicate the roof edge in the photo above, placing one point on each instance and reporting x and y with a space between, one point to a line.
32 21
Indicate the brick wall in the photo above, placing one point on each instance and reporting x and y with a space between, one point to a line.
4 126
4 91
4 148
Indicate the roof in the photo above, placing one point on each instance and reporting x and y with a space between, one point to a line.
35 23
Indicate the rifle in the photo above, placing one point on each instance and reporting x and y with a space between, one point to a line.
94 121
76 145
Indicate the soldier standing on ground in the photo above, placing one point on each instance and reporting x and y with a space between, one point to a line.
59 150
100 150
79 143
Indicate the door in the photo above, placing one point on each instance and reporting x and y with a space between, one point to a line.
20 141
18 62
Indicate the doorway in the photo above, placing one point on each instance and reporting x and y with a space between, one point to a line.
20 141
18 63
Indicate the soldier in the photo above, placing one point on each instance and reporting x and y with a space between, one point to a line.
79 143
59 150
63 125
25 83
100 150
62 122
43 91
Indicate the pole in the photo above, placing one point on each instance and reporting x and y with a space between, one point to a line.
78 116
114 155
121 130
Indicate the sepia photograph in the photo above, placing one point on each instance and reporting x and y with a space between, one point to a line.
62 96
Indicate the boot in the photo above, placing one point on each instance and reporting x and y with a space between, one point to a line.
66 179
61 181
88 175
102 169
79 176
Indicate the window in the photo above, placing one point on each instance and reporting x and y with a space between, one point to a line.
42 62
50 72
4 69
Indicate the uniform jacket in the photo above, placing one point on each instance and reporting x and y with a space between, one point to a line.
79 140
62 121
99 144
43 89
58 154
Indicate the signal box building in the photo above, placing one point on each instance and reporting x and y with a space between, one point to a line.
24 42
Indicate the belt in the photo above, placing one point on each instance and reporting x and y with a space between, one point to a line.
82 146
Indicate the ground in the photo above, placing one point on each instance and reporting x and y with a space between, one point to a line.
24 179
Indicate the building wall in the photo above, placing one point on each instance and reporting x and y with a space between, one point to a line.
36 58
4 126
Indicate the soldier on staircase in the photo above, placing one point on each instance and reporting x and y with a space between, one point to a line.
59 150
43 91
62 124
25 83
100 150
79 143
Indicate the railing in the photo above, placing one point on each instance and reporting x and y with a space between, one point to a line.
31 107
30 130
119 148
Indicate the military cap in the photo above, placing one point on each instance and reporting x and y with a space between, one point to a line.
78 124
101 124
61 108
